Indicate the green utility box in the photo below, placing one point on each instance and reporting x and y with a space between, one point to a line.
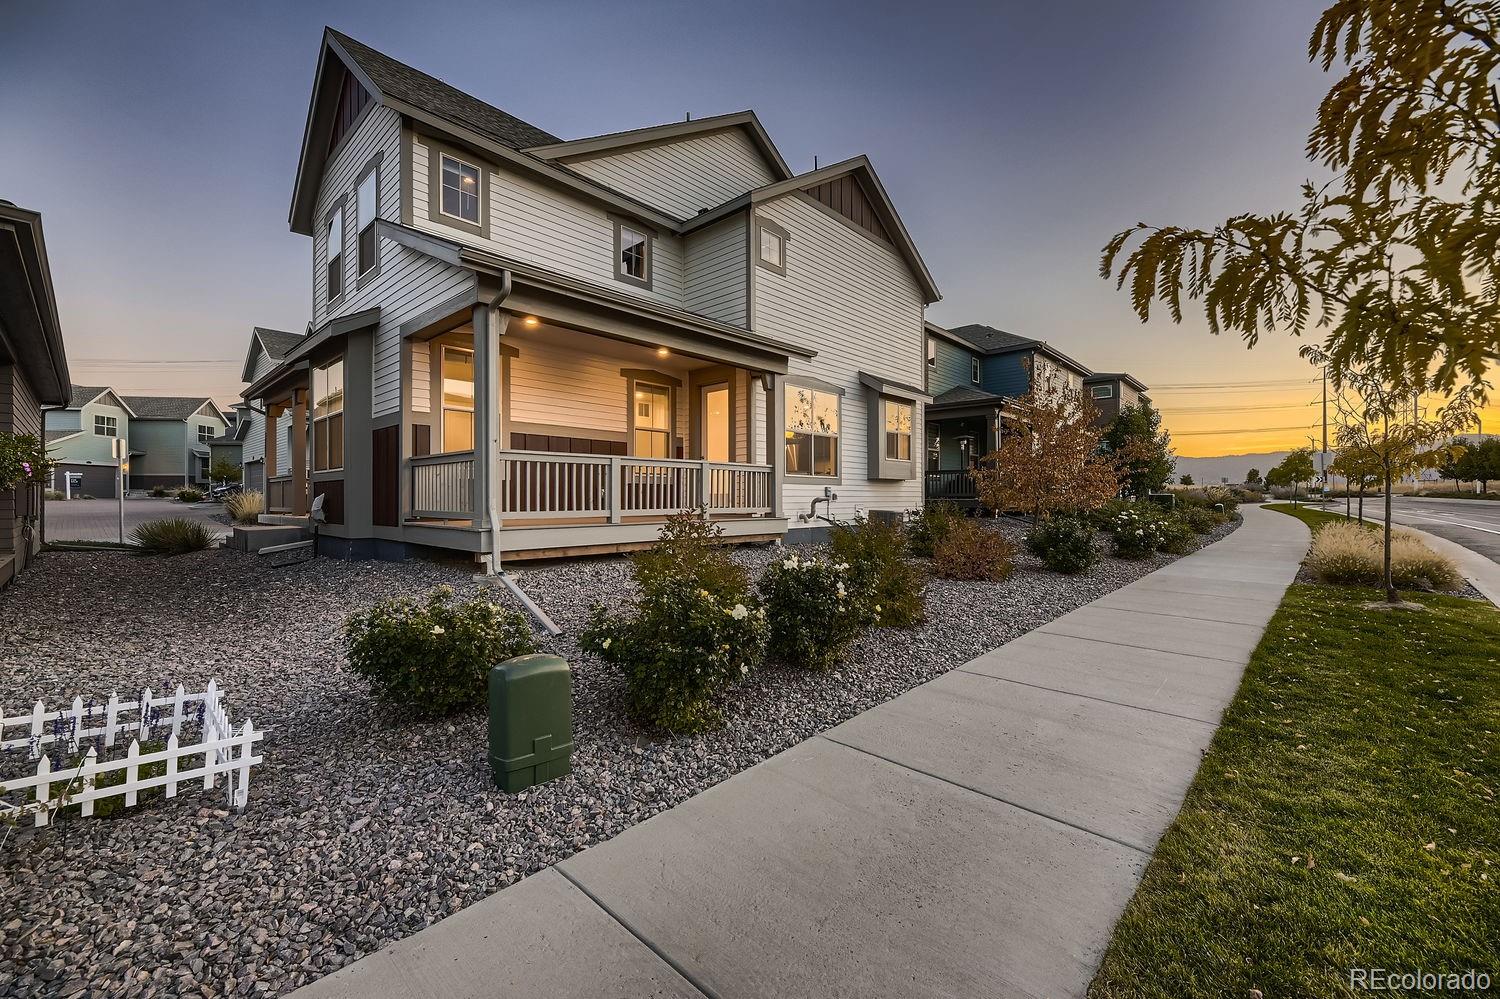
531 721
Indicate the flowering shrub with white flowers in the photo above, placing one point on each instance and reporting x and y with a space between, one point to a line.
681 646
815 610
433 658
1138 530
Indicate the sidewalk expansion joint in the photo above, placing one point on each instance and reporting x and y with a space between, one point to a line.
992 797
1091 697
682 972
1143 648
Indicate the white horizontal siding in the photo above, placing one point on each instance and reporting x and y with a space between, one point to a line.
254 448
421 377
379 133
559 384
410 283
716 258
536 224
854 301
683 178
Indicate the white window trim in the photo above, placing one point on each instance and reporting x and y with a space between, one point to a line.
1101 391
932 351
837 477
620 274
478 195
974 370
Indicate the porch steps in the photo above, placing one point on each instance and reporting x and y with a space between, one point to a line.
285 520
255 537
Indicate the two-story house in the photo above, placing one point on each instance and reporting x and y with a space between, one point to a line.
166 440
1112 391
268 348
80 439
522 345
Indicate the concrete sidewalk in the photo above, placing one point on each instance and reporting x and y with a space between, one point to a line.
976 836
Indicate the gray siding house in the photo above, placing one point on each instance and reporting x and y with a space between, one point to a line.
1112 391
33 372
523 345
169 439
80 438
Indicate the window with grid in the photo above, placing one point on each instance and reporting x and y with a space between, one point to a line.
635 255
207 432
653 421
328 416
460 189
105 426
812 431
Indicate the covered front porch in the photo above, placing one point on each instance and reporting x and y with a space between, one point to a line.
963 426
601 429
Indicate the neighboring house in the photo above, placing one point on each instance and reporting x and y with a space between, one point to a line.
1112 391
230 447
33 371
268 348
972 372
80 438
627 325
169 439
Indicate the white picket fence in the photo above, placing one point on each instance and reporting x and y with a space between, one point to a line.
223 751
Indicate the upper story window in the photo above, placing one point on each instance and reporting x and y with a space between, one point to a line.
105 426
931 352
770 246
897 430
1101 391
652 421
974 370
207 432
460 196
366 200
812 431
328 416
632 254
335 253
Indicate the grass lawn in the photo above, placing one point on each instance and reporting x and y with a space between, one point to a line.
1344 816
1316 517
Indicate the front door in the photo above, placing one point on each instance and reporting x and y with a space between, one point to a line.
716 422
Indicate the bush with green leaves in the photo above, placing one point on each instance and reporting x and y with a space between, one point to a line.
880 572
1138 530
189 495
972 551
927 526
23 458
159 492
681 646
813 609
1064 544
1177 535
53 494
433 657
172 536
1201 520
690 546
1208 497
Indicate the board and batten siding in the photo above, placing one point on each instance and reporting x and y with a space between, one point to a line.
531 222
953 368
685 177
854 301
716 258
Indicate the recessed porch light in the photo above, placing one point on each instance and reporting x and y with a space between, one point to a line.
530 320
662 352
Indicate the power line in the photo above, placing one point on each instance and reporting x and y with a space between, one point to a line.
1234 384
1242 430
1167 410
113 361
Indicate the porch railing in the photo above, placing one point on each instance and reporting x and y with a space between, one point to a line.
279 494
442 485
950 484
542 485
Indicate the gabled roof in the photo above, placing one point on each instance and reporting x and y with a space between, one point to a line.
30 334
275 343
55 436
167 407
964 394
612 142
81 395
881 202
988 340
1100 377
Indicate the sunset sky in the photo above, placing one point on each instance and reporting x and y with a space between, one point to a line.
159 140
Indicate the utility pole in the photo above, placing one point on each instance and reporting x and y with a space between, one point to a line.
1323 455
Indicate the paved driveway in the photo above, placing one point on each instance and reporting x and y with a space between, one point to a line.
98 519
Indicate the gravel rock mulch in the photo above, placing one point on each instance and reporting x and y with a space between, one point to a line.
364 826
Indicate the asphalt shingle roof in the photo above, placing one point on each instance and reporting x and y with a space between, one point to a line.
402 82
278 343
989 339
82 395
960 394
165 407
53 435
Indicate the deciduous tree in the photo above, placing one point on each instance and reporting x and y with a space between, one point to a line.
1142 448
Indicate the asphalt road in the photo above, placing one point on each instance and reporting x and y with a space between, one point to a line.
1475 524
98 519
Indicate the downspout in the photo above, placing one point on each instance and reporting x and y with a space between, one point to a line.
493 567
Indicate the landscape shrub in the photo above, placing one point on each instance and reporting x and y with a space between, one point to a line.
972 551
814 613
1416 566
692 630
880 573
1064 544
1207 497
159 492
433 657
1177 535
172 536
1347 554
680 646
1201 520
1102 517
189 495
246 507
53 494
927 526
1137 531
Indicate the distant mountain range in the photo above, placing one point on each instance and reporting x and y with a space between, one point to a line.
1230 467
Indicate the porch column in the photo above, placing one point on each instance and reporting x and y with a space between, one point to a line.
300 500
273 413
489 326
775 442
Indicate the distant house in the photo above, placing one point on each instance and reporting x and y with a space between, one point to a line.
33 371
268 348
169 439
1112 391
81 436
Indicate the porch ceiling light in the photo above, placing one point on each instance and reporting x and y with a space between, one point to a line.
662 352
530 320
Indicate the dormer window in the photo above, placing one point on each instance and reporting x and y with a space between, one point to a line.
632 254
460 189
335 251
